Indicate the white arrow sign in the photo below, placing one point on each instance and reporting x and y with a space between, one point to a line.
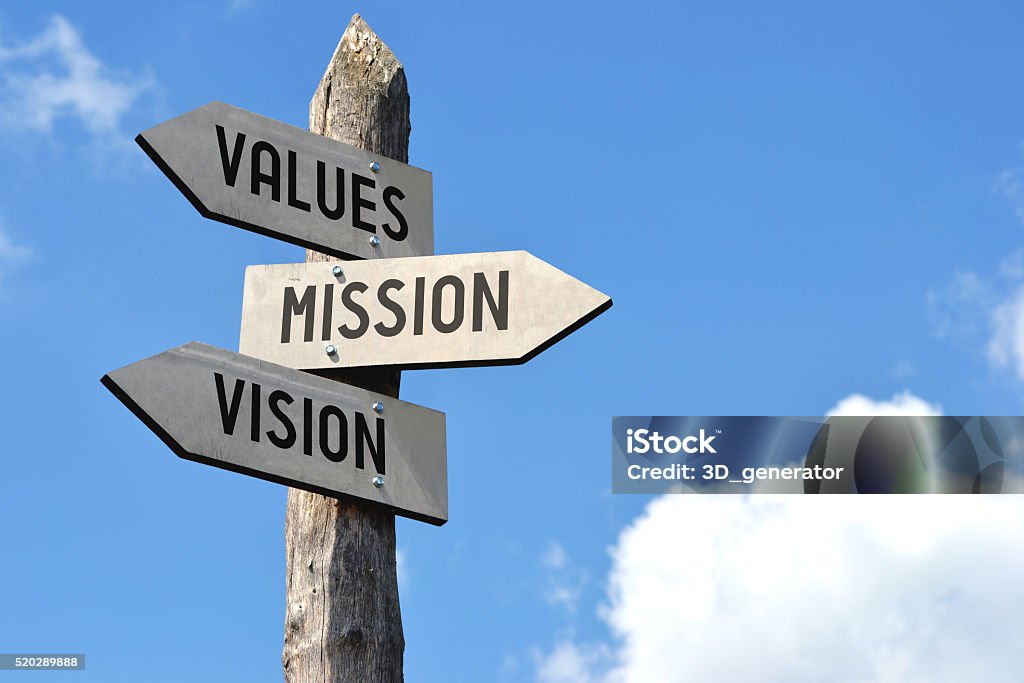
223 409
259 174
496 308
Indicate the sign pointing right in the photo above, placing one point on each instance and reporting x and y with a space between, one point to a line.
496 308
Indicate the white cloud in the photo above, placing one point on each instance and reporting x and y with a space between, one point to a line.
879 589
54 75
848 589
904 403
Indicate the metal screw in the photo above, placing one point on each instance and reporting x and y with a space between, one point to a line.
337 270
374 241
331 349
378 481
378 407
374 166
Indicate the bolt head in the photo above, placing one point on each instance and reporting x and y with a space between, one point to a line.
331 349
378 407
378 481
374 241
374 166
337 270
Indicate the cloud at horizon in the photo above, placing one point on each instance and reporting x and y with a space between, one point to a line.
879 589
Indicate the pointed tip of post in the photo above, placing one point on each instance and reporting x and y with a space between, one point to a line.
363 80
357 26
360 55
360 39
358 23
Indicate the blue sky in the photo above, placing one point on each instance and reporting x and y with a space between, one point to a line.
791 206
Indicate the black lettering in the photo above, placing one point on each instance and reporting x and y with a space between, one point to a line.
254 422
325 433
393 306
321 192
293 190
307 426
288 440
391 192
363 437
351 305
417 320
293 305
325 331
460 303
499 310
230 166
358 203
229 415
258 176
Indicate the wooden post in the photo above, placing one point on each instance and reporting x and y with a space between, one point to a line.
342 619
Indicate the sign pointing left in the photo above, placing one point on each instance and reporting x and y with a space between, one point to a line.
262 175
224 409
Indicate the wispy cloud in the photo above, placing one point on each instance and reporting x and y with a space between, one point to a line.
555 556
957 310
565 580
10 252
569 662
54 76
1010 185
1006 346
239 5
903 370
987 310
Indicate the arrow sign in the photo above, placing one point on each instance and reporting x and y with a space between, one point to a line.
497 308
240 414
263 175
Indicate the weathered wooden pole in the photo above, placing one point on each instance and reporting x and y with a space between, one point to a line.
342 619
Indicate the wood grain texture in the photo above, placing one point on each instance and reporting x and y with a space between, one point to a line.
342 618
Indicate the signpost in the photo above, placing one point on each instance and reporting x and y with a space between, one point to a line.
496 308
227 410
354 454
258 174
